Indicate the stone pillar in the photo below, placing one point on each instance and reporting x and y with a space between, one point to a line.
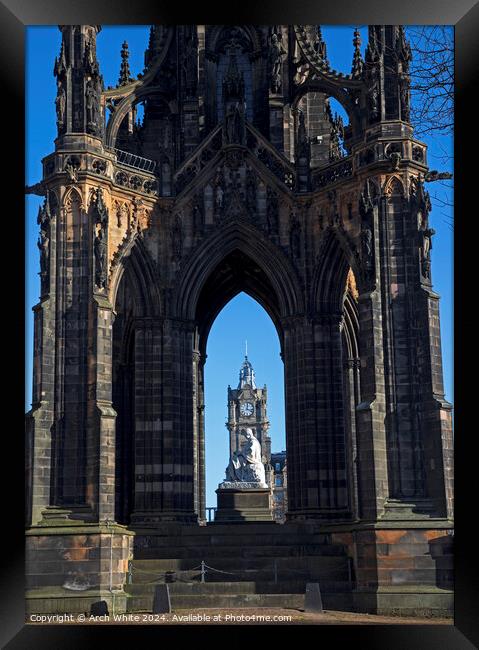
73 293
201 476
150 429
436 421
418 424
101 434
318 482
164 434
371 411
351 400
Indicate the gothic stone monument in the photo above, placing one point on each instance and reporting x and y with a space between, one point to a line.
238 178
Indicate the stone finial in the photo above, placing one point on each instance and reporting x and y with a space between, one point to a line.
320 46
125 74
358 63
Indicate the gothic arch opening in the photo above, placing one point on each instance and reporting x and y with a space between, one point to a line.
237 272
244 387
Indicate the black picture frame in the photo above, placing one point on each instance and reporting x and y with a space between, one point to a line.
14 16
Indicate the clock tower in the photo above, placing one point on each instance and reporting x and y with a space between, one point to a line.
247 408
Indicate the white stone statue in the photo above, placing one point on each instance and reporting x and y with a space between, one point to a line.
245 469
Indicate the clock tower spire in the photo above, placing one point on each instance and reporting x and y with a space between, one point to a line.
247 408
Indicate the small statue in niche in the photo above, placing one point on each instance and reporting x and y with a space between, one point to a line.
91 104
367 247
425 251
373 93
100 214
60 103
44 244
100 258
404 97
100 208
275 58
234 123
119 214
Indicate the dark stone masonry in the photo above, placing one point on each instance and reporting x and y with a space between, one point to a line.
239 177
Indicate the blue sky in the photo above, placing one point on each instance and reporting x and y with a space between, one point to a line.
242 318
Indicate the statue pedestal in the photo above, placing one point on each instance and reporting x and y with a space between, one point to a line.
237 504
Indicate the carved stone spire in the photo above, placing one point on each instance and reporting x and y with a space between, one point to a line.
358 63
125 74
320 46
404 56
303 154
79 82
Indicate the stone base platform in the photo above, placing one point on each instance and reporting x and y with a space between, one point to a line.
243 504
392 568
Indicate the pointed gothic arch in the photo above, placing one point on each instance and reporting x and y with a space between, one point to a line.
334 261
135 260
245 238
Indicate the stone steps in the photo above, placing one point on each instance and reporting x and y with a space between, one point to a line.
223 601
244 551
241 569
234 595
252 565
245 587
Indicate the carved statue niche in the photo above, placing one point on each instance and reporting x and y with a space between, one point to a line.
425 251
91 102
367 247
373 91
234 124
366 207
60 105
276 52
423 205
219 195
44 217
100 214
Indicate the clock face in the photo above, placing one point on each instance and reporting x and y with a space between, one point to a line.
246 409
